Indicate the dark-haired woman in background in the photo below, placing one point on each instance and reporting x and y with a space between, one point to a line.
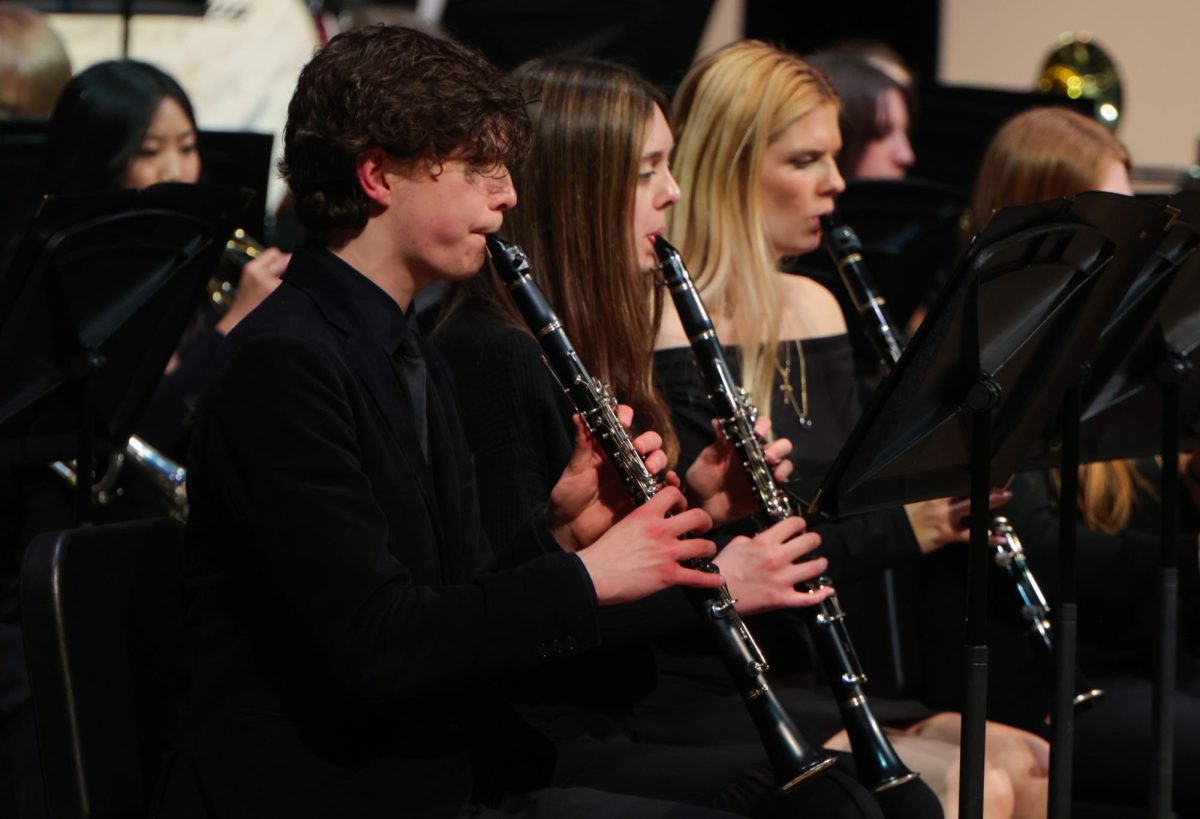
875 114
125 124
117 125
1043 154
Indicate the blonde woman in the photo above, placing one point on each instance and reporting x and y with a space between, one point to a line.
757 144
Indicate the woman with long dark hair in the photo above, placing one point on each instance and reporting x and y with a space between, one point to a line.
592 197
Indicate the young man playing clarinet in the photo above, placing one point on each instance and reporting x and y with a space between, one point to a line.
346 619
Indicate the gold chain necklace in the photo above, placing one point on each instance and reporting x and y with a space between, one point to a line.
785 384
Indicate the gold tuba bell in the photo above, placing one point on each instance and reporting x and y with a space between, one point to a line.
1078 68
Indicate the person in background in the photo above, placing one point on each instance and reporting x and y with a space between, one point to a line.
1041 154
875 115
125 124
34 66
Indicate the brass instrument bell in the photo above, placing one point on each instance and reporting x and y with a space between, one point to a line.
1078 68
240 248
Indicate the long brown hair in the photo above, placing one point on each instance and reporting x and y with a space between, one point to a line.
728 109
1041 154
574 219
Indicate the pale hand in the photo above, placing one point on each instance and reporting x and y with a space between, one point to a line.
260 276
641 554
589 497
940 521
717 480
762 572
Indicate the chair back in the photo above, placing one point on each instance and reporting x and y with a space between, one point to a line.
101 611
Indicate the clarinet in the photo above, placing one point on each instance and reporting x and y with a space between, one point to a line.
1010 556
879 767
793 758
845 249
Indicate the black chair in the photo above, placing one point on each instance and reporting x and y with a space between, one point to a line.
102 620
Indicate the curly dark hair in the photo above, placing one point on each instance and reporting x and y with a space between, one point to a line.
417 97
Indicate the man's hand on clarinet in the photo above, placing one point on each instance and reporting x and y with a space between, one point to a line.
641 554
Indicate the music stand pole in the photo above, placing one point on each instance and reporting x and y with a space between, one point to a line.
1062 720
980 400
1173 371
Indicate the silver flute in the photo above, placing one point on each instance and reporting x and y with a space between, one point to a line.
792 757
879 766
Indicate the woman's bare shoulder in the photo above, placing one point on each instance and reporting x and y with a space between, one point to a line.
809 309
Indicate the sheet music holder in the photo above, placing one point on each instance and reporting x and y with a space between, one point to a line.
1141 369
1158 318
982 378
1024 309
92 307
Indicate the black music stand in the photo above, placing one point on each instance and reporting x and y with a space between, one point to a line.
982 378
91 308
1144 359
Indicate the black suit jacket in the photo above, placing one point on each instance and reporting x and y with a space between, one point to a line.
345 627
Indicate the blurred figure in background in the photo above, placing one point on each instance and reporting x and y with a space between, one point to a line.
34 66
876 110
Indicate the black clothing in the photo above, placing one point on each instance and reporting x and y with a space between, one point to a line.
1116 575
518 423
344 631
1116 582
856 547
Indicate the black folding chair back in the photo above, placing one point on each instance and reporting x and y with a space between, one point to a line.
102 620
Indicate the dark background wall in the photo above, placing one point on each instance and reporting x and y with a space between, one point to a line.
910 27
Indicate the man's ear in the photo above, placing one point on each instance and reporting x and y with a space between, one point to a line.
371 166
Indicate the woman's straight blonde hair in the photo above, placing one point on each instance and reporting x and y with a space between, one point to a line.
728 109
